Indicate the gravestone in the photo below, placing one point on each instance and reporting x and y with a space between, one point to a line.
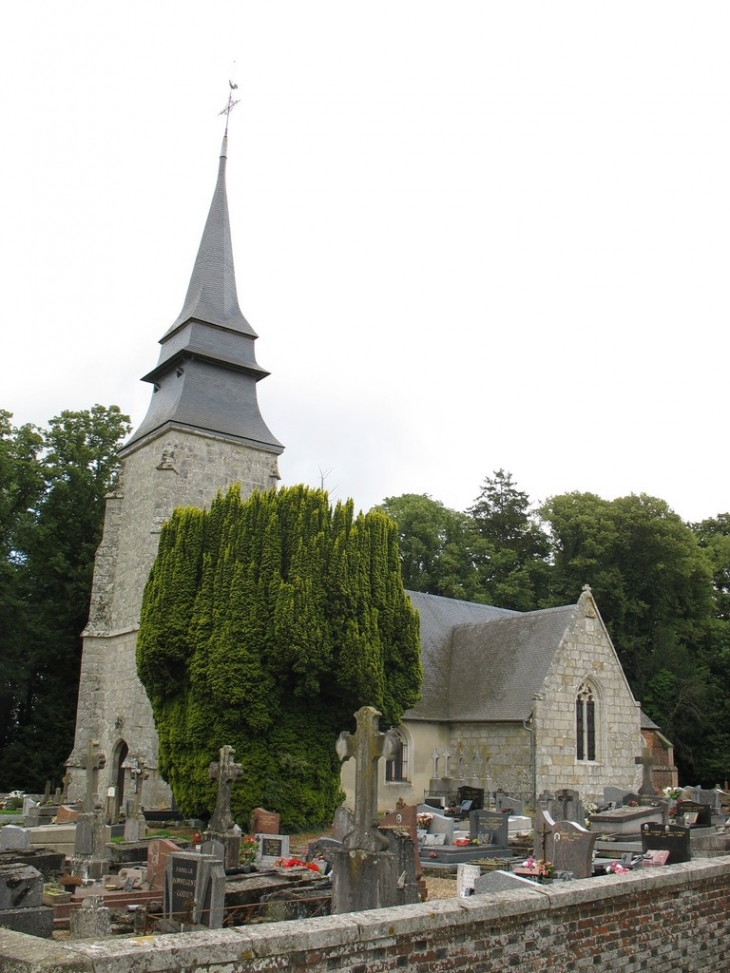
712 797
466 876
407 865
272 846
628 821
66 814
646 760
14 838
442 826
405 818
93 920
90 838
473 794
158 851
135 826
266 822
617 795
692 814
573 849
489 828
512 805
499 881
343 822
222 826
542 847
21 889
669 837
364 873
567 806
194 891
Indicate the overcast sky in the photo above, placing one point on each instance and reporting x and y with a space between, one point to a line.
469 235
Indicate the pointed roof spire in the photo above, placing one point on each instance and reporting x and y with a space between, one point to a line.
212 295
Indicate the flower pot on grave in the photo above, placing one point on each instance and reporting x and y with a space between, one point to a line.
55 897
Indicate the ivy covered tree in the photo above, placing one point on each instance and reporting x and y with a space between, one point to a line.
265 625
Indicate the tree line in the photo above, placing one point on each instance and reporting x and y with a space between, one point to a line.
662 585
52 487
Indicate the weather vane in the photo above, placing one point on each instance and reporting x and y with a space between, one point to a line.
231 103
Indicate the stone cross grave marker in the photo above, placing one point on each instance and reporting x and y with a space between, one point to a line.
367 746
226 772
435 758
65 780
92 763
542 847
646 760
447 757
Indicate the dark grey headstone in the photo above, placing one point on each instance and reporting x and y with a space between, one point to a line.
473 794
84 840
667 837
693 814
21 887
194 890
490 828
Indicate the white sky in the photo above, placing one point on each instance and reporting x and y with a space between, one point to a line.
469 235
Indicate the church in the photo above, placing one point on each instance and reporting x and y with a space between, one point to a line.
529 701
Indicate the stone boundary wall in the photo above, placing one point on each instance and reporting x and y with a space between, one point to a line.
673 918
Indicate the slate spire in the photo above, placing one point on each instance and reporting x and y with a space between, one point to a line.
205 379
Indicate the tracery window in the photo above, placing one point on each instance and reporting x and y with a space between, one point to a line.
585 723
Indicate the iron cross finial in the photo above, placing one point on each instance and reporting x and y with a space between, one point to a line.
232 102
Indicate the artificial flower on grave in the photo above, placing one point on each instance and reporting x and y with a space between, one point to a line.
544 869
617 869
295 863
423 819
249 851
461 842
673 793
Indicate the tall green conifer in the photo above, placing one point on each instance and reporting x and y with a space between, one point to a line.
265 625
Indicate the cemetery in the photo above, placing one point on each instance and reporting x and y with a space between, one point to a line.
562 869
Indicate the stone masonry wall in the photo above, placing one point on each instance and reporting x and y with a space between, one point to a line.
176 469
648 921
587 655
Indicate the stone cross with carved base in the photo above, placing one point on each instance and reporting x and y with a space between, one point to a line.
226 771
367 746
91 763
646 760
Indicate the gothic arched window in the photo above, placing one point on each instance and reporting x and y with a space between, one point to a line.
585 723
397 769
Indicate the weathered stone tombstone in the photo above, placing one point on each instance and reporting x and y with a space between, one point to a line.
14 838
343 822
567 806
489 828
21 889
512 805
194 891
90 839
542 847
93 920
573 849
408 862
364 874
135 826
669 837
466 876
222 826
646 760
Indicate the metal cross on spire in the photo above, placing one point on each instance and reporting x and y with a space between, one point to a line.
232 102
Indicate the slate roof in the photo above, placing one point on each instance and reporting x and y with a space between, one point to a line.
483 663
205 379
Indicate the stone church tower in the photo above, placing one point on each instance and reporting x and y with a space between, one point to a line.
203 432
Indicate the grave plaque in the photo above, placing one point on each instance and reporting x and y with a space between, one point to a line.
693 814
183 879
265 822
668 837
273 846
490 828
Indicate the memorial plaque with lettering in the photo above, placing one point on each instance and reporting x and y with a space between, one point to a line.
273 846
693 814
180 887
490 828
668 837
573 848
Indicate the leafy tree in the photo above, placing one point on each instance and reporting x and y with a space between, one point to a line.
439 547
513 563
265 625
652 581
51 507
